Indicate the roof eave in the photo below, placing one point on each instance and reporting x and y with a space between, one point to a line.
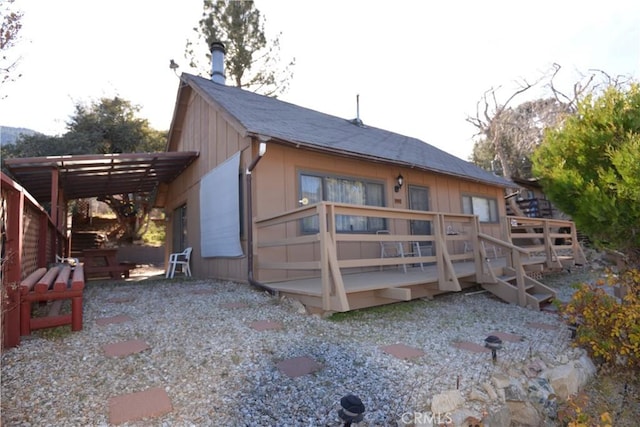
381 160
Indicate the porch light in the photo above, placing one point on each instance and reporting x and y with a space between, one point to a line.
352 410
493 343
400 181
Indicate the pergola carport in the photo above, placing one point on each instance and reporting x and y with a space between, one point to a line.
83 176
58 179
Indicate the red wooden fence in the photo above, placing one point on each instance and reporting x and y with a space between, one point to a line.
30 240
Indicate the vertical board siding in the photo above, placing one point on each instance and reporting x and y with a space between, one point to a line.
275 190
205 130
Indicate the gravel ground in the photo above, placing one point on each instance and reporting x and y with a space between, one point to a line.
219 371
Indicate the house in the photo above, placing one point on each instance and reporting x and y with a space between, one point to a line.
303 203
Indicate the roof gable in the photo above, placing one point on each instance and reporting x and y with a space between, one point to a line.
284 121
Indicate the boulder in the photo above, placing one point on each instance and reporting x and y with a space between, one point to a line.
569 378
498 418
524 414
446 402
491 392
478 396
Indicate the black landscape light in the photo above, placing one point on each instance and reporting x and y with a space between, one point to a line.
573 327
352 410
493 343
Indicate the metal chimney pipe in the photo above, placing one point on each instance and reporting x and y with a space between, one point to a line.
217 62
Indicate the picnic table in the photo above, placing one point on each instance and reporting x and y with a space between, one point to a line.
102 262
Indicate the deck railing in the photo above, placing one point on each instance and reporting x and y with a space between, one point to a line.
30 240
551 238
284 249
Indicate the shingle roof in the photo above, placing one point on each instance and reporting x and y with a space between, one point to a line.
284 121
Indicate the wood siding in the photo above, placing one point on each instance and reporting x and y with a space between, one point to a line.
276 185
205 130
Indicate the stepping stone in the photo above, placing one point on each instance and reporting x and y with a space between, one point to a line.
119 300
125 348
544 326
153 402
504 336
298 366
114 319
470 346
402 351
265 325
234 305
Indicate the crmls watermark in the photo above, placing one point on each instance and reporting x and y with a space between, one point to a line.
426 418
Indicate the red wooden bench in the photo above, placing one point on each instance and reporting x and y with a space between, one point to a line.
57 283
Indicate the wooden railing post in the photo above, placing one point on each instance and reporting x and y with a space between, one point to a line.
548 244
440 247
12 266
477 256
324 257
578 253
522 292
507 237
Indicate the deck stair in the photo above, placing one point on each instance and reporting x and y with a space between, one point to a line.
505 286
517 281
535 246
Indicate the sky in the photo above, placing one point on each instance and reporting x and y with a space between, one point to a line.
419 67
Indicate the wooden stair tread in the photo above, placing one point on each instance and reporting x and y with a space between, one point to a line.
542 297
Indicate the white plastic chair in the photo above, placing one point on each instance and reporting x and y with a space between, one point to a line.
395 249
69 260
181 259
468 247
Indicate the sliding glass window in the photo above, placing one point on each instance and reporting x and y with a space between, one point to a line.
316 188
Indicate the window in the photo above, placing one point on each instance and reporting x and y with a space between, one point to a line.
485 208
317 188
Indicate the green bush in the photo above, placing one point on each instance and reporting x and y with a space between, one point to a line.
155 233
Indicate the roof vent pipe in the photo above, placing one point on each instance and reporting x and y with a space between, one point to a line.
217 62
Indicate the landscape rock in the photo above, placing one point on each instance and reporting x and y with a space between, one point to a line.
478 395
501 380
564 380
539 389
446 402
534 368
524 414
464 417
499 418
491 392
515 392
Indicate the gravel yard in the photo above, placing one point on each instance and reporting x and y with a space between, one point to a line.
218 369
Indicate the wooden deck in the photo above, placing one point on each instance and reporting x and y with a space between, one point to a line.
343 271
376 280
387 286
